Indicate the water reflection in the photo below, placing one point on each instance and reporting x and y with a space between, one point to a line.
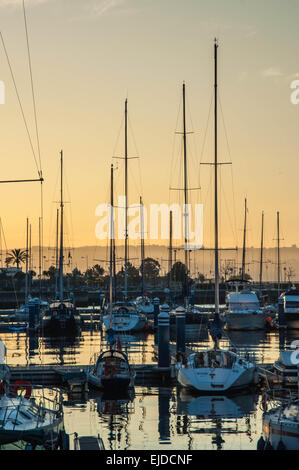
155 418
217 416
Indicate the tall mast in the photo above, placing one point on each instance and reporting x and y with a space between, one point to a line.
262 251
114 268
111 246
40 257
61 231
185 189
244 243
57 254
170 249
278 255
1 243
30 261
142 245
126 198
27 260
216 186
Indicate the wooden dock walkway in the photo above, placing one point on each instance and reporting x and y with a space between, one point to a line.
88 443
146 374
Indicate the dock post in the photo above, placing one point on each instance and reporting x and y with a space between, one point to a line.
281 315
156 303
34 311
180 318
164 415
163 337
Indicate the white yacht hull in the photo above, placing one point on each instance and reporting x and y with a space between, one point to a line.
245 321
215 380
125 323
276 430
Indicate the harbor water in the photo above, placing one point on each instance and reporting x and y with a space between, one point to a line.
151 417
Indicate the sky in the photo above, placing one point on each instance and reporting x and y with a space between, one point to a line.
89 56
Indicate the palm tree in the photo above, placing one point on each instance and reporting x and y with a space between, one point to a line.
16 257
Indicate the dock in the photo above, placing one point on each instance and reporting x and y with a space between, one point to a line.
88 443
146 374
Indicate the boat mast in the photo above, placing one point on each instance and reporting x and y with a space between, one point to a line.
57 255
39 257
262 251
142 245
27 260
111 247
126 200
278 256
30 262
216 187
170 249
244 243
61 231
185 191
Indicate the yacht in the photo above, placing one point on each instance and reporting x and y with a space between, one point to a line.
281 426
22 314
291 308
215 370
62 318
37 420
145 305
286 368
125 317
112 372
244 311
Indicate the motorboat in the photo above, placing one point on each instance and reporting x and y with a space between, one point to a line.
243 311
281 426
22 314
291 308
124 317
286 367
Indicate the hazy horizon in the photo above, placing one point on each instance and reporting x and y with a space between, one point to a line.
88 57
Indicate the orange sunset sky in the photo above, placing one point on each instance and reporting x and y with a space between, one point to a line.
88 56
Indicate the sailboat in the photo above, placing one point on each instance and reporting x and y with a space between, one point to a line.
215 370
33 420
143 302
111 371
62 317
125 315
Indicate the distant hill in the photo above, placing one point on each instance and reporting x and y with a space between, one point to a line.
201 261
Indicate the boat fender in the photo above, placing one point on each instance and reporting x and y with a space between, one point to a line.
19 384
181 357
261 444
